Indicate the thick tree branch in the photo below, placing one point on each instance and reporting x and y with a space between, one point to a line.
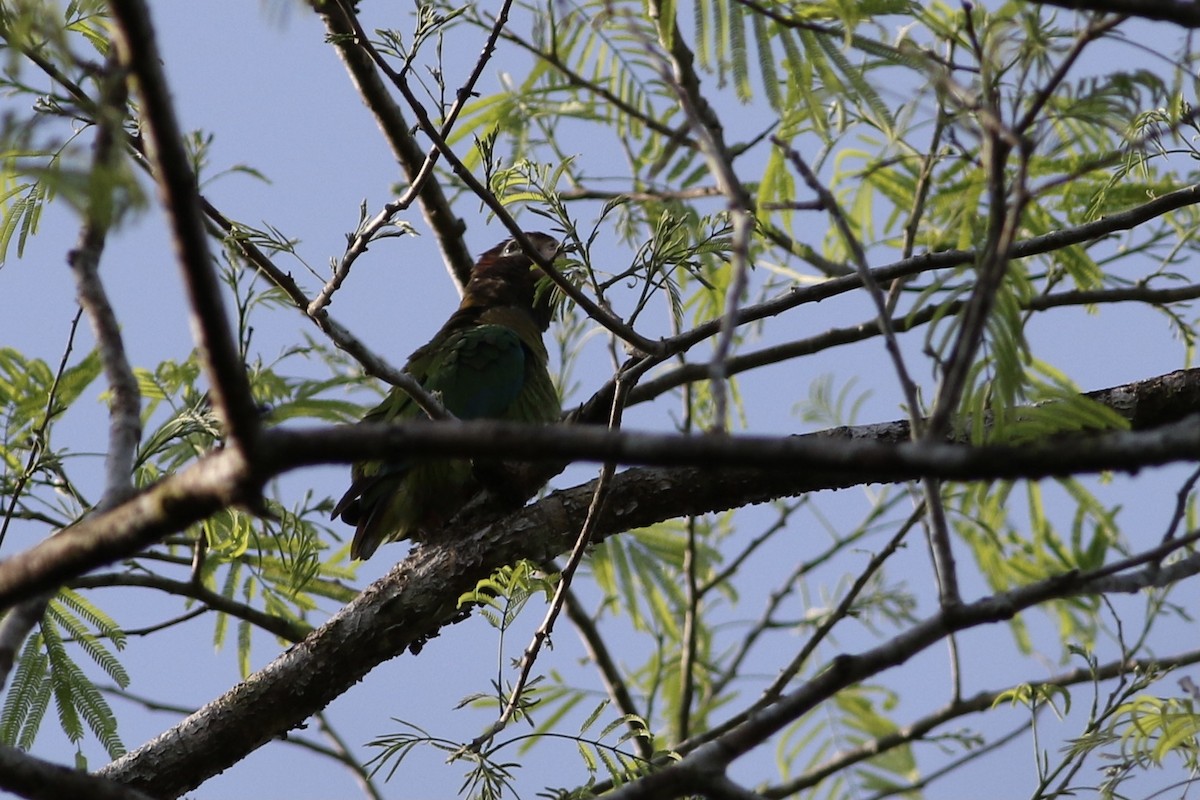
408 606
754 469
217 481
36 779
1181 12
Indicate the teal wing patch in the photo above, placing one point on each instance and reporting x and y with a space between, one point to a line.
480 372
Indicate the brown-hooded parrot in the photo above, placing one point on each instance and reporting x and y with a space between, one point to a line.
487 362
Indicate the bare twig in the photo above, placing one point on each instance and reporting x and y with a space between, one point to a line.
367 233
1094 30
338 334
39 433
360 42
773 692
343 29
859 258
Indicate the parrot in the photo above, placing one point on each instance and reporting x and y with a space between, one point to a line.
487 362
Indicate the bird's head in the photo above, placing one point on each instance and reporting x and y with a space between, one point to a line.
506 276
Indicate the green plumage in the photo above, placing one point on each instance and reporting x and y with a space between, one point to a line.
487 362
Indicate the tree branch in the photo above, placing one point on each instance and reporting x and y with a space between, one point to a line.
285 629
177 185
927 262
844 670
1181 12
41 780
397 132
981 701
407 607
755 469
366 234
125 426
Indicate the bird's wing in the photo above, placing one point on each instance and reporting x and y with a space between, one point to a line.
479 373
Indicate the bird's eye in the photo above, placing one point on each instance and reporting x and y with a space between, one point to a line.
511 248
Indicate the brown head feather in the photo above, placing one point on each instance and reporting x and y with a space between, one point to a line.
506 276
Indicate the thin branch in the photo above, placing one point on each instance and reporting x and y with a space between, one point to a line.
688 637
288 630
731 670
337 333
125 424
149 629
343 30
859 257
367 233
39 434
610 674
357 38
775 690
188 496
584 540
644 195
551 57
721 578
981 701
845 670
1094 30
689 372
1004 216
948 259
340 752
955 764
222 228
